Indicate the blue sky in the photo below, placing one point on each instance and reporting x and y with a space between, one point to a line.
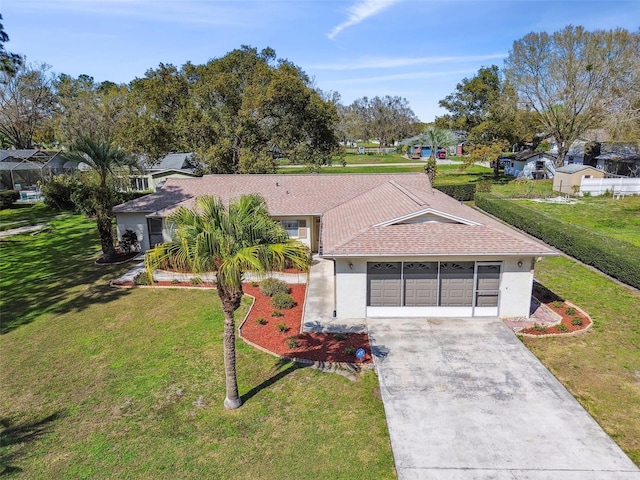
416 49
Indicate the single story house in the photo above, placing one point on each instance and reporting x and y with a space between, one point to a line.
618 158
534 165
568 177
153 176
400 248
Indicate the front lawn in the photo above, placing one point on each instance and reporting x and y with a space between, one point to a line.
600 367
99 382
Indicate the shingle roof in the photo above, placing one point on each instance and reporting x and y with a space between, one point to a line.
361 214
574 168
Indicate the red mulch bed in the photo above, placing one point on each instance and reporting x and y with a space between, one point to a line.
323 347
566 320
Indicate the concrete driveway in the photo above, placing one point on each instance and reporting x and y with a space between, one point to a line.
464 399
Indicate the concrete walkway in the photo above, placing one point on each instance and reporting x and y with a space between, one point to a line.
319 303
465 399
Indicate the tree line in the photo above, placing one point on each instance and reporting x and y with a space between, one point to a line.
245 110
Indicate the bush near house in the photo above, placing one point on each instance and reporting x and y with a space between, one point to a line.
270 286
8 198
616 258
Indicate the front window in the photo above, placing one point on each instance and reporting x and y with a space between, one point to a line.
139 184
291 226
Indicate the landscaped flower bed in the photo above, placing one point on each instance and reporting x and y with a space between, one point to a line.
281 334
573 319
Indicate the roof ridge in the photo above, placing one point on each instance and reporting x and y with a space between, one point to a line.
412 196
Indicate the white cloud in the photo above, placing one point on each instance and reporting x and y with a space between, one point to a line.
401 76
361 11
397 62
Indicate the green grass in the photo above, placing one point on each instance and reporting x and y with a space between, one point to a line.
385 168
22 214
619 219
446 173
601 368
99 382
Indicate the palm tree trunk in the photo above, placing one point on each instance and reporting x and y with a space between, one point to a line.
229 305
106 238
232 399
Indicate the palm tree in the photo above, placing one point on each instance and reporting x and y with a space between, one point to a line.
105 158
437 138
229 242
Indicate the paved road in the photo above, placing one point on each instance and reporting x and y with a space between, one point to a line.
465 399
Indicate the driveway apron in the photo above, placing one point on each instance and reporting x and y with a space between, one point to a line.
465 399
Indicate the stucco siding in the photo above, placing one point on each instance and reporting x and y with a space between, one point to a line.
515 288
351 288
136 222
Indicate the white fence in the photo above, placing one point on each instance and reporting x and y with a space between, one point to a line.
372 151
615 186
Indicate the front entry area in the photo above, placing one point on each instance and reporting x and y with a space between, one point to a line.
433 288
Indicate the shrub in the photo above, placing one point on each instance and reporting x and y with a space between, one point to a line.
484 187
577 321
539 328
571 311
261 321
58 192
339 336
142 278
277 313
463 192
614 257
292 342
196 281
8 198
175 281
558 304
271 286
350 351
562 327
283 300
282 326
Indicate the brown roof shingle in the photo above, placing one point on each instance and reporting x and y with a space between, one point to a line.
362 214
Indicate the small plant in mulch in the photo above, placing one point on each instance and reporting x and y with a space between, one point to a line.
350 351
558 304
340 336
271 286
196 281
142 278
571 311
577 321
561 327
283 300
277 313
293 342
261 321
254 284
175 281
282 327
539 328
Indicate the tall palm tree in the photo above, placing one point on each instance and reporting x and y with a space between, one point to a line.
105 158
229 242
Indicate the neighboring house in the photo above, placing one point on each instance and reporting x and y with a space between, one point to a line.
529 164
22 169
400 248
153 176
568 177
618 158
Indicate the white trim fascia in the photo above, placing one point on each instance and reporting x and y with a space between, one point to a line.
433 211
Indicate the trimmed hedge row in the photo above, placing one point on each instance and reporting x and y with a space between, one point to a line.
614 257
463 192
